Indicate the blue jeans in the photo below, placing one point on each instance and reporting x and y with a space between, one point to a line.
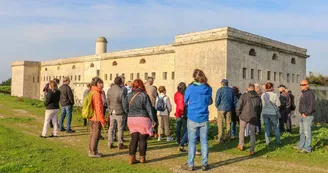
193 130
305 133
66 110
267 127
184 139
233 128
181 123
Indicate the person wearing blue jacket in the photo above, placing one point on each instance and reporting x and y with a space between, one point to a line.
225 102
198 97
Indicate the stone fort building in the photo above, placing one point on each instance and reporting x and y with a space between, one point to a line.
223 53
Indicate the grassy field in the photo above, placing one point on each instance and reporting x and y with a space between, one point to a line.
21 122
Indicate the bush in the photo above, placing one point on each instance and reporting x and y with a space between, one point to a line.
5 89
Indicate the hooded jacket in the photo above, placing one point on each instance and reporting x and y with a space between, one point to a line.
249 107
98 106
198 97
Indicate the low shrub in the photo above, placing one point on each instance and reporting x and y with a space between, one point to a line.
5 89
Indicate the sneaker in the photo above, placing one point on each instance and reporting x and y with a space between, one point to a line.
296 148
41 136
159 138
205 168
122 146
240 148
62 129
251 153
198 152
111 146
187 167
181 149
156 136
98 155
169 139
304 151
53 136
71 131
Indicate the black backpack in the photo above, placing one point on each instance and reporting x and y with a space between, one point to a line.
160 105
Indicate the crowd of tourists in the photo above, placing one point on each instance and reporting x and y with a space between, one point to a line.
145 111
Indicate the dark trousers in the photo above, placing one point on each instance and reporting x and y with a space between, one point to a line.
156 120
95 131
285 119
181 124
137 139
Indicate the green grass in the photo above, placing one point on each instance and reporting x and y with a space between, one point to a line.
22 153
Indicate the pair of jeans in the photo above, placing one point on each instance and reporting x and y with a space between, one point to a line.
288 121
252 130
268 119
233 129
224 117
181 124
120 127
66 111
194 129
305 133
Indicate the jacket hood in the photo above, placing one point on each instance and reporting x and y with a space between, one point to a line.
252 94
94 88
201 88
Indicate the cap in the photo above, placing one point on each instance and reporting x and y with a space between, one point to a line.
224 81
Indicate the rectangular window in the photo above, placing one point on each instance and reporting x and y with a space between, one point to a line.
288 77
274 76
252 73
298 78
75 78
173 75
38 79
280 77
138 75
146 76
116 74
259 75
123 75
71 78
59 77
33 79
105 77
44 78
80 78
98 73
269 75
164 75
131 76
244 73
110 76
153 75
293 78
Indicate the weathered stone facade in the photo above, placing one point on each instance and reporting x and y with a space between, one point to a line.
228 53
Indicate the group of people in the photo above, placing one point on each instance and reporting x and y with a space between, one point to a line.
145 110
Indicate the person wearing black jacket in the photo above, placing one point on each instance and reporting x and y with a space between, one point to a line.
248 110
52 108
67 102
306 108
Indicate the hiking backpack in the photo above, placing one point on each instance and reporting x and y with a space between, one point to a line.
87 109
160 105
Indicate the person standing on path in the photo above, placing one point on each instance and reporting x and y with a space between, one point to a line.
67 102
98 119
163 116
225 102
284 108
249 111
52 109
198 97
85 93
306 109
180 111
152 93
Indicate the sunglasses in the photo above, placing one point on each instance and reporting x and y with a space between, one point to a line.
303 84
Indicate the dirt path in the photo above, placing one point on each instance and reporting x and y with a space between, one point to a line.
165 155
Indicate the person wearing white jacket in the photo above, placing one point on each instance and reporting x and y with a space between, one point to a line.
164 114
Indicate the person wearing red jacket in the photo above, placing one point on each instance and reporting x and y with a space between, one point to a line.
98 120
180 112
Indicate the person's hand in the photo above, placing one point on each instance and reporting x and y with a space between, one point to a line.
303 115
154 124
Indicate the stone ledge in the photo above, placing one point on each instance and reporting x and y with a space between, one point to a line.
25 63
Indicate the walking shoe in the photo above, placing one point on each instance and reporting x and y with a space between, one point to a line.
304 151
296 148
232 137
52 136
62 129
41 136
71 131
181 149
142 159
133 160
198 152
156 136
159 138
251 153
111 146
169 139
240 148
97 155
122 146
205 168
187 167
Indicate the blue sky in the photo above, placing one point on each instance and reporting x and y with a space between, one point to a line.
39 30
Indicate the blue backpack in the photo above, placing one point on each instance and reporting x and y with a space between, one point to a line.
160 105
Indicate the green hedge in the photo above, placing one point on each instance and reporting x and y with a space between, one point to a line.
5 89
